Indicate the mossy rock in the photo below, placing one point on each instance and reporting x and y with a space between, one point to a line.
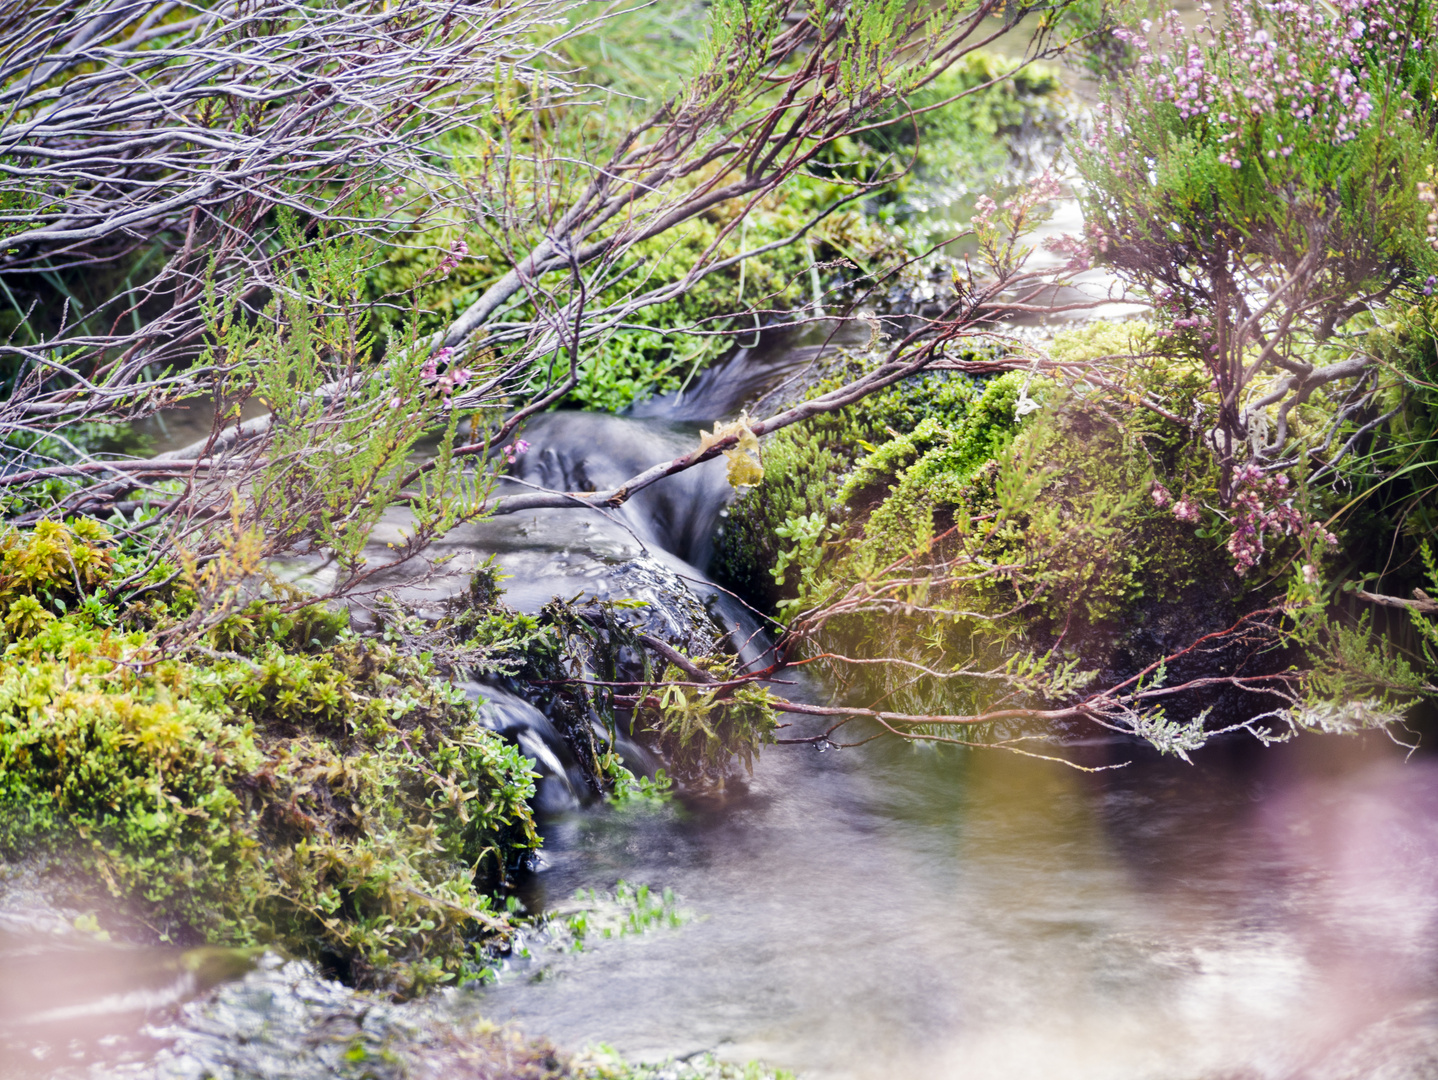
806 467
303 787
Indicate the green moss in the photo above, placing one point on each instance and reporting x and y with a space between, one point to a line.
1021 528
701 731
805 468
928 470
303 786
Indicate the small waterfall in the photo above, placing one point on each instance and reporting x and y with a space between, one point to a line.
654 549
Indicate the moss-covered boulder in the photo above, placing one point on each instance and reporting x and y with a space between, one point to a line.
277 781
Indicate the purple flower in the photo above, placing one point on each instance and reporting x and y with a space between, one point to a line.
984 208
1185 510
458 249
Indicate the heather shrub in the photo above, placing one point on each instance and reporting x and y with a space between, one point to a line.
1262 178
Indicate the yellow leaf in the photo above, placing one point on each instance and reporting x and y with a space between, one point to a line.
746 466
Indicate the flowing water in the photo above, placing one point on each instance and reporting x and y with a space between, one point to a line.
890 912
883 911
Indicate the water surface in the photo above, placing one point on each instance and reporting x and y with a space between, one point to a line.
893 912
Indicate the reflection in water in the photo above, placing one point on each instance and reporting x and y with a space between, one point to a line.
68 998
898 912
886 911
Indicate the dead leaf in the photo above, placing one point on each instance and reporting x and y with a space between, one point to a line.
746 465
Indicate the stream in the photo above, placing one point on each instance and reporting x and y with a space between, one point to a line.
883 911
887 911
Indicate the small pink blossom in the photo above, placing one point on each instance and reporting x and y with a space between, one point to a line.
1160 495
450 380
1263 507
984 210
1075 250
1185 510
458 249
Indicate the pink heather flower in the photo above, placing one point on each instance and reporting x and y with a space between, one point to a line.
1160 495
1185 510
448 382
1074 249
1310 573
1263 507
1271 58
984 209
1247 476
458 249
513 450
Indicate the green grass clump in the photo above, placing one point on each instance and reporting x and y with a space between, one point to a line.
283 782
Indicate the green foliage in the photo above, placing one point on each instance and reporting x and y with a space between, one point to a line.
928 469
983 527
307 629
638 58
1387 485
1077 527
1091 24
956 147
700 730
960 148
55 569
734 26
804 470
1359 677
1157 176
60 564
655 352
631 910
1281 151
302 786
643 792
1428 628
335 463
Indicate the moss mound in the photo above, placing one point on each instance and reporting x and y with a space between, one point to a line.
805 469
280 781
1075 570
